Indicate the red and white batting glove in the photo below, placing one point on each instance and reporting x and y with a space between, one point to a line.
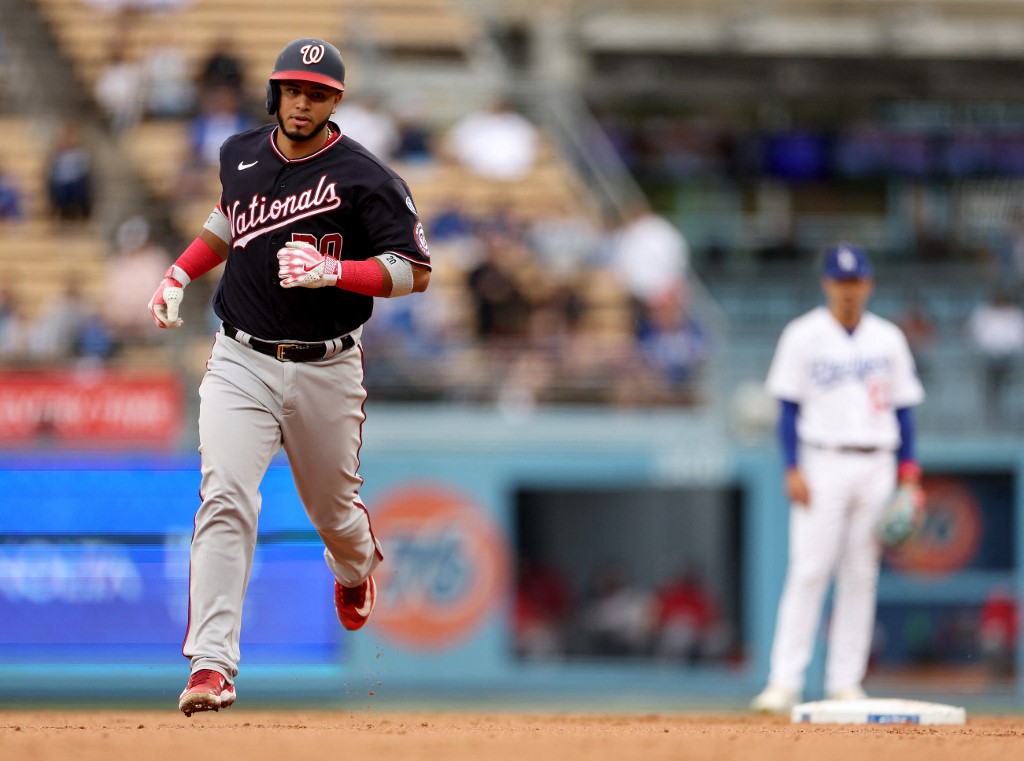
167 299
299 264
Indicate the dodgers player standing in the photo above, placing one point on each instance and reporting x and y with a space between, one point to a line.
846 382
312 226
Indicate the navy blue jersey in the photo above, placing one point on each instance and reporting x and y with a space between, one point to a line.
341 199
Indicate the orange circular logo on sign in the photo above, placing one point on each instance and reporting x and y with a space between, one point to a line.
951 532
445 566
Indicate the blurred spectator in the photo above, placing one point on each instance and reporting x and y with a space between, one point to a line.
783 245
997 631
934 239
419 345
220 116
450 221
649 254
137 263
68 329
119 89
14 327
502 309
541 611
222 67
598 361
918 327
565 239
619 617
415 135
497 142
524 379
689 623
10 197
69 181
674 346
96 342
366 121
8 303
454 231
3 70
996 330
54 331
1011 253
170 93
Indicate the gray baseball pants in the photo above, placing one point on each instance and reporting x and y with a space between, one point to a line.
250 406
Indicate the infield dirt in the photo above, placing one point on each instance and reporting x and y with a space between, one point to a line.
261 735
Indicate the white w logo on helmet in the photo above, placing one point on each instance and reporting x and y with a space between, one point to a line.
847 260
312 54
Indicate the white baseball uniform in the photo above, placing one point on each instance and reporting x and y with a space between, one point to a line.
848 386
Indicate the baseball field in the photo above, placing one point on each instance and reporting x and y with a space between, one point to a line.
262 735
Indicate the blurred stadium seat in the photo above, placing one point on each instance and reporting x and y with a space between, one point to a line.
750 50
25 245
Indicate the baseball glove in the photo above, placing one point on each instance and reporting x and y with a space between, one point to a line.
901 517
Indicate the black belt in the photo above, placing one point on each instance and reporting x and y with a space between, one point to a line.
290 351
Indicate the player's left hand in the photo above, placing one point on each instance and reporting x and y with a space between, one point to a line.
902 515
299 264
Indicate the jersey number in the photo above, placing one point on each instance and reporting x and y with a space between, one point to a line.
329 245
878 393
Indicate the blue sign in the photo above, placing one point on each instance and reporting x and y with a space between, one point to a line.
94 567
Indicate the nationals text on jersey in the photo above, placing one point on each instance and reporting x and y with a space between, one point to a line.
281 211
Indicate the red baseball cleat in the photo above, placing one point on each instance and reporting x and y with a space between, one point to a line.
207 690
355 604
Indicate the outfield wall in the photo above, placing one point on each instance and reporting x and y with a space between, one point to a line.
94 565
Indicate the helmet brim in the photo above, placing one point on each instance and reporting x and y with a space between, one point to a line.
309 76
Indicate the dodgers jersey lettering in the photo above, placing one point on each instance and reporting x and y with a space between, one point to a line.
847 385
341 199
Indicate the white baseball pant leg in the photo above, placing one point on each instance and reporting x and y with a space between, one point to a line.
831 535
854 601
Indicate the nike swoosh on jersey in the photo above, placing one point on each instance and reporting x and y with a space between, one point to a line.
242 165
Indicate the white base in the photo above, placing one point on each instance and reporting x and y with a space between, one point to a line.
877 711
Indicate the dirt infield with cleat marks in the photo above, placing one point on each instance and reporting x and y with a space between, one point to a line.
262 735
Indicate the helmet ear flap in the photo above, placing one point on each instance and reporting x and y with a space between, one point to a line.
273 97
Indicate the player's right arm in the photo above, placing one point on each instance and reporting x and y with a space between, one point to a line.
786 378
796 486
209 249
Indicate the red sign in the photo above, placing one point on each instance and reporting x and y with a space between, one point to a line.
91 405
445 566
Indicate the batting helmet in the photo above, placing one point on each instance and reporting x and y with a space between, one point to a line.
308 60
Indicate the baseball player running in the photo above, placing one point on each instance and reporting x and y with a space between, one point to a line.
312 227
846 382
